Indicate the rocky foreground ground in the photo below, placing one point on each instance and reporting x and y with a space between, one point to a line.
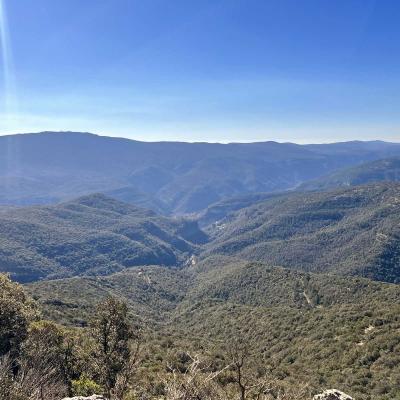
331 394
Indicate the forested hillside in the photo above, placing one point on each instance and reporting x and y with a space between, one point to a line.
299 327
93 235
387 170
349 231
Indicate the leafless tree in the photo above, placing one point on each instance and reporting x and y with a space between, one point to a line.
199 384
253 386
126 375
195 384
41 383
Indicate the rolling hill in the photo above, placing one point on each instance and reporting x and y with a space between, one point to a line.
352 231
93 235
170 177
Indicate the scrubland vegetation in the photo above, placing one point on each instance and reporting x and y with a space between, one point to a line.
300 330
215 318
116 357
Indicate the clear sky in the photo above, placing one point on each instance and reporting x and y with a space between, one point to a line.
199 70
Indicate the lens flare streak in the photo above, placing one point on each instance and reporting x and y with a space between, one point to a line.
8 76
8 105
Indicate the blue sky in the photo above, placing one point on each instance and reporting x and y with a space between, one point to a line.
222 70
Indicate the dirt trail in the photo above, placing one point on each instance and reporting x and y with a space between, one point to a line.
307 298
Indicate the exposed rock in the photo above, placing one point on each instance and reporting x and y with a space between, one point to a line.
93 397
332 394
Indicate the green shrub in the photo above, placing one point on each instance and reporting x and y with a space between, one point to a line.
85 387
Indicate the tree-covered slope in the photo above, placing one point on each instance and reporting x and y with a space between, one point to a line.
387 169
151 292
93 235
221 209
352 231
316 328
326 330
259 285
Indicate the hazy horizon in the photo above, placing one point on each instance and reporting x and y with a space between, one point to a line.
105 135
216 71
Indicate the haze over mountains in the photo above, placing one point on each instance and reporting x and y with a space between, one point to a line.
169 177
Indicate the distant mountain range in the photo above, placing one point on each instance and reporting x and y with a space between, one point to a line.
168 177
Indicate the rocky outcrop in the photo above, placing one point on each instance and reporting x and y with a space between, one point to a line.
332 394
93 397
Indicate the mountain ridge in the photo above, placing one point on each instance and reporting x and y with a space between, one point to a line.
170 177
